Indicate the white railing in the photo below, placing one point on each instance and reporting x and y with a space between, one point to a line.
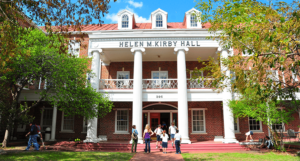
202 83
153 83
116 84
160 83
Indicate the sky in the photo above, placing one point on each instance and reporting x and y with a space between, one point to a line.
143 8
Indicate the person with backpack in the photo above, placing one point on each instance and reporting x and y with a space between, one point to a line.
158 131
134 137
32 137
165 139
177 142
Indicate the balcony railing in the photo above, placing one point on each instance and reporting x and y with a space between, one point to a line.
153 83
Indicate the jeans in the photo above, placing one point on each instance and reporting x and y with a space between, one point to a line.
134 144
147 143
269 144
177 144
32 140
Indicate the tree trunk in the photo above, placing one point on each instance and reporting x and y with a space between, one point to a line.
6 137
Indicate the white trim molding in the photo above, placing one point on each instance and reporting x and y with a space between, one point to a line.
204 123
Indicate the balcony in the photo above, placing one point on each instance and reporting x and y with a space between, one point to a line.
153 84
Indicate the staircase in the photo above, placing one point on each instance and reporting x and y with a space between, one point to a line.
196 147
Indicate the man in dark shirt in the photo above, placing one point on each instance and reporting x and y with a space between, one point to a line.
32 137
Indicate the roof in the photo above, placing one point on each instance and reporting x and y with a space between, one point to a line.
138 26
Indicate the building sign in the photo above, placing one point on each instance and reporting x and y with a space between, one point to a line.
130 44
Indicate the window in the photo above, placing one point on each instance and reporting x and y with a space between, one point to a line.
159 20
236 125
85 125
46 118
254 124
193 21
123 75
159 75
272 74
125 21
74 47
21 128
278 127
121 124
196 75
198 122
67 123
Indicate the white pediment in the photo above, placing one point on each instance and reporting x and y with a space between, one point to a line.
125 11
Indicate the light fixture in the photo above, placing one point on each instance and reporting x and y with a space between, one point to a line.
123 69
158 68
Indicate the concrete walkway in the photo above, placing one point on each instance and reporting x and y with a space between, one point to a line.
157 156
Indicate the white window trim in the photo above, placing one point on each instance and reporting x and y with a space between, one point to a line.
238 125
21 129
118 72
62 125
204 122
282 125
255 130
159 72
130 19
42 123
121 132
188 16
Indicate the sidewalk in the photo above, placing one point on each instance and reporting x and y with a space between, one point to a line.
171 156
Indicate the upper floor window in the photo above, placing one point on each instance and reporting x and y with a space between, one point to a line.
193 21
74 47
159 20
125 21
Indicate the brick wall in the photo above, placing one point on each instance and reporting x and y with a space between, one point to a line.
213 120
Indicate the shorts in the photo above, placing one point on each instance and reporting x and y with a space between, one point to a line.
172 136
249 133
165 144
158 138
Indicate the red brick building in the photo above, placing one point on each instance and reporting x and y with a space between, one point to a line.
143 69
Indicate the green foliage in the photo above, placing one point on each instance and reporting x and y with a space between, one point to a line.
38 57
77 139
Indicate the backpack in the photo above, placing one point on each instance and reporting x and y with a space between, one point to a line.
38 128
134 136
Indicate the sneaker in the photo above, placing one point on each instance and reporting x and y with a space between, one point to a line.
156 146
251 140
172 144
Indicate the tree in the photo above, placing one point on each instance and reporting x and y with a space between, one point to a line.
266 43
57 17
39 59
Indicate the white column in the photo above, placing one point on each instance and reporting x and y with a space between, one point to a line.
53 128
137 104
92 123
227 113
183 125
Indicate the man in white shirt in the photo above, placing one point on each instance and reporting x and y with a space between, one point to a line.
172 132
177 142
158 131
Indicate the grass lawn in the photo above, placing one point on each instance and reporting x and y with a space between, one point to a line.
292 143
238 157
105 156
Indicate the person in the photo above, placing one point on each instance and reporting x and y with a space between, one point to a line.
135 139
177 142
146 137
249 133
32 137
268 143
165 139
158 132
164 126
172 132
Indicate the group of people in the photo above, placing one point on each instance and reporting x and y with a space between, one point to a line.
161 136
266 143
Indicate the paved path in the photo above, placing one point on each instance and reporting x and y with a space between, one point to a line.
157 156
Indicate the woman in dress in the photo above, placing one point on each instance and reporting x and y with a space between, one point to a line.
164 138
146 135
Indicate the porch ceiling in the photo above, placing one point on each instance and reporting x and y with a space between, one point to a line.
158 54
